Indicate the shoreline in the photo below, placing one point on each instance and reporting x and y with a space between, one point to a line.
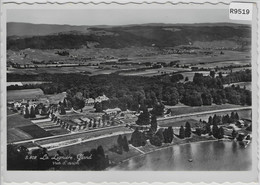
168 145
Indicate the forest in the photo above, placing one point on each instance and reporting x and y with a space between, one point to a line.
135 92
139 36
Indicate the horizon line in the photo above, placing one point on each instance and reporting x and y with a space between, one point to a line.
130 24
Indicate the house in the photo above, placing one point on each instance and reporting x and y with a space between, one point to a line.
85 120
89 101
101 98
112 111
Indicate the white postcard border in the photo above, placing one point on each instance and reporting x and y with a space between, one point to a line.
83 176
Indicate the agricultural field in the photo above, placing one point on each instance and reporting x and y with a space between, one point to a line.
247 85
154 72
223 63
24 94
19 128
35 131
188 109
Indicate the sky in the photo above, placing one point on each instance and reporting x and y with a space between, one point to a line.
118 16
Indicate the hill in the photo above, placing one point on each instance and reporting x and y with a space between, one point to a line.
160 35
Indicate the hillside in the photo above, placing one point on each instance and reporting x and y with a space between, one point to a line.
160 35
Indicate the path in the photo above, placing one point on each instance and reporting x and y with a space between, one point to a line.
137 149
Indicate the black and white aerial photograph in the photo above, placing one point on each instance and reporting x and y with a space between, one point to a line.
128 90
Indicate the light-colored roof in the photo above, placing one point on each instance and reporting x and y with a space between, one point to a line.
85 119
77 120
90 100
112 110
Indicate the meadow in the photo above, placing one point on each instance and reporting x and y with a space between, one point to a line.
25 94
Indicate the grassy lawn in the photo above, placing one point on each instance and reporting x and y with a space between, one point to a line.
179 123
176 122
16 134
86 135
185 110
17 121
24 94
106 143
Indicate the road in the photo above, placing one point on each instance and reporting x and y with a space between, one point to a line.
54 140
65 136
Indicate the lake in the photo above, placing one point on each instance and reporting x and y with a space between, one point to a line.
210 156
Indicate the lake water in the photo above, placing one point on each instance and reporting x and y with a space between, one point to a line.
210 156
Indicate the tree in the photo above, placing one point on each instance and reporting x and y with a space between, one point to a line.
208 129
236 116
186 79
232 117
137 138
120 142
198 131
187 129
220 133
62 110
206 98
212 74
158 109
36 110
210 121
44 111
98 107
26 113
234 134
78 101
125 144
192 98
156 141
154 123
215 131
216 119
160 135
32 112
64 102
100 151
225 119
182 132
168 135
143 118
220 75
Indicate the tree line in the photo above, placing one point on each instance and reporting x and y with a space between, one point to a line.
135 92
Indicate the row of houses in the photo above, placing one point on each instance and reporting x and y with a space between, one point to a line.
81 123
